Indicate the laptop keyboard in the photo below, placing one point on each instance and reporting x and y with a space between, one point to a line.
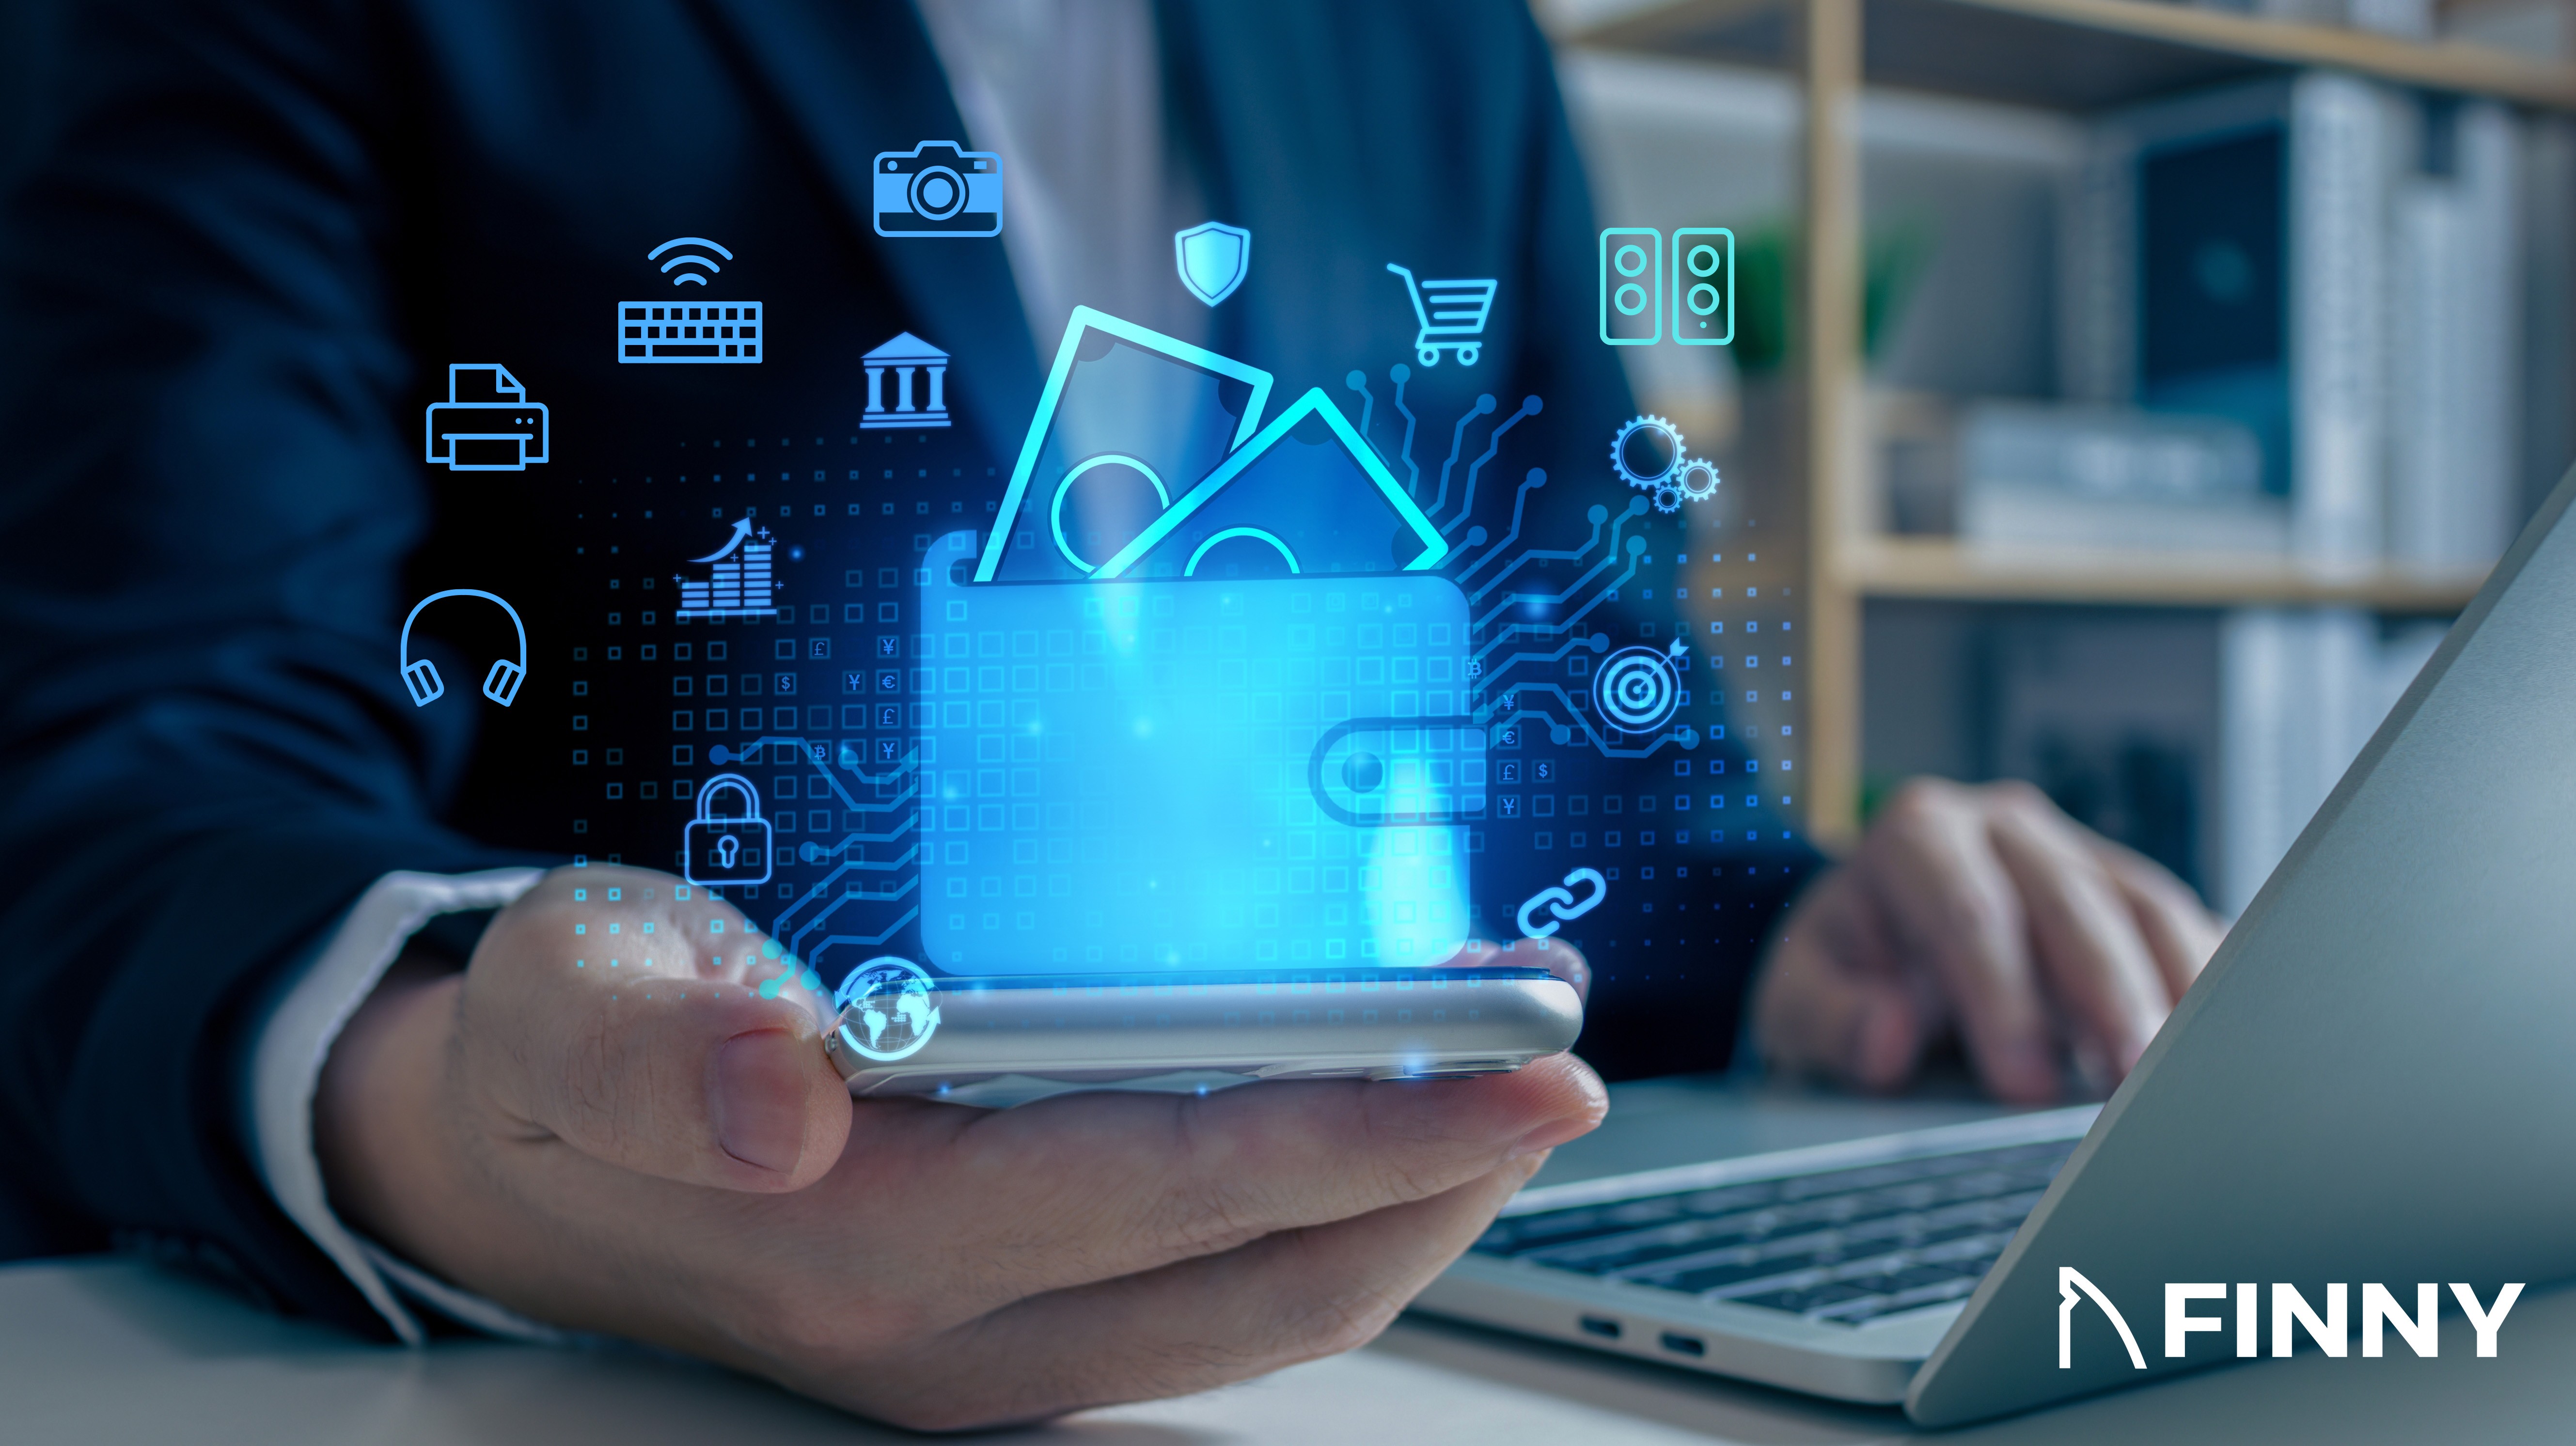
1838 1247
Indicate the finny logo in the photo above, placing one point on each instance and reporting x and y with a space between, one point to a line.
2069 1281
2420 1328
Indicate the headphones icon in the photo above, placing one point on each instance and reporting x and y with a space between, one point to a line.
501 685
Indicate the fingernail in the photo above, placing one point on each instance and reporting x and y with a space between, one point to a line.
1548 1136
759 1102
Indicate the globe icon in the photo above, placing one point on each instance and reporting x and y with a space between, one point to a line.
890 1008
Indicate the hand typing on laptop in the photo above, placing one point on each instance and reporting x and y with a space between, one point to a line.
658 1151
1984 912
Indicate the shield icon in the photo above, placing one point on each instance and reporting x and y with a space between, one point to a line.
1213 258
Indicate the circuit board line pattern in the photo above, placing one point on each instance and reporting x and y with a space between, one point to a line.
1529 643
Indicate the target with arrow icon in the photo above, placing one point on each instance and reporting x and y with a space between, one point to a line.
1638 690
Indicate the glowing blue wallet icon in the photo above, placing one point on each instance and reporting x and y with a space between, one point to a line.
1241 737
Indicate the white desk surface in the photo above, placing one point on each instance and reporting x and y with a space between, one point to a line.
106 1350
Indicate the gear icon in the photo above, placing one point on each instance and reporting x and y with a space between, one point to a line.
1668 498
1672 437
1697 478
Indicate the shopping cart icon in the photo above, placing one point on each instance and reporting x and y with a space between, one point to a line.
1447 309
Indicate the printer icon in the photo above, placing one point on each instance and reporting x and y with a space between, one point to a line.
487 423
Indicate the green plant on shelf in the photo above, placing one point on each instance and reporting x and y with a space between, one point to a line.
1766 280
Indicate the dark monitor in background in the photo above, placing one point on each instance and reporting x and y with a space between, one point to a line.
2213 326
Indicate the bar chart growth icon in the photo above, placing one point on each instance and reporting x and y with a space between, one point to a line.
738 584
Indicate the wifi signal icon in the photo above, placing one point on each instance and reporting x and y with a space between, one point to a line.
688 258
714 329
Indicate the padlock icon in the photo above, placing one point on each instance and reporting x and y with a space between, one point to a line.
723 849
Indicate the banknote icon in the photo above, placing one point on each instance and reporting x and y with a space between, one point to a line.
1202 701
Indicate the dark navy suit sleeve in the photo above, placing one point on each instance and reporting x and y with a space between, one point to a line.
205 750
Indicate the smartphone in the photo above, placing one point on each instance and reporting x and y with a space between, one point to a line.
1001 1041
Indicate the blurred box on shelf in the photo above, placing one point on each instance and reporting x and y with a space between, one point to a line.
2411 19
2014 474
2457 299
2533 29
2037 474
2300 692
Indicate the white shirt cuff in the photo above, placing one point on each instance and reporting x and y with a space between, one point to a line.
286 1071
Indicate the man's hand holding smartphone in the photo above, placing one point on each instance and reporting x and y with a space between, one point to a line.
659 1150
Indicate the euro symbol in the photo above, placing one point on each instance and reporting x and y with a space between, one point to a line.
1561 904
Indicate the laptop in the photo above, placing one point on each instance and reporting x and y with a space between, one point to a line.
2372 1081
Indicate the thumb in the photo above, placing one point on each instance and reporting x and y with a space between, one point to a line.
702 1071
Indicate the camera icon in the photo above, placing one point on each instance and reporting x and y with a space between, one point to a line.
936 189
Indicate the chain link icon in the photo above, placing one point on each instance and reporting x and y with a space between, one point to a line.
1558 901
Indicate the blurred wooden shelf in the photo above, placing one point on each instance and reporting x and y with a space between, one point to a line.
2075 55
2072 56
1916 567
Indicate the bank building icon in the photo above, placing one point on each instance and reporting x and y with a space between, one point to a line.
916 394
